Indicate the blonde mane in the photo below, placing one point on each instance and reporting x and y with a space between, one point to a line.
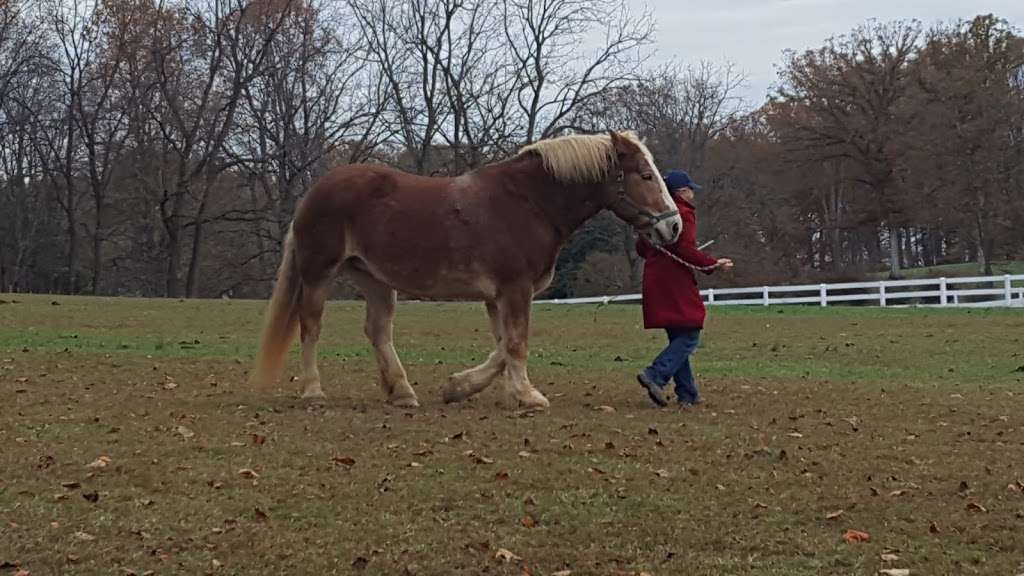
579 158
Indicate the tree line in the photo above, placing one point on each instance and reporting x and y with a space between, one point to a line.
158 147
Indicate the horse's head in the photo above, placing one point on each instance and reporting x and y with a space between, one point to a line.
638 195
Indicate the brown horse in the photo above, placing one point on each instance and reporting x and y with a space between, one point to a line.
492 234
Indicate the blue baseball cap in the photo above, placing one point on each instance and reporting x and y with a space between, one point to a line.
676 179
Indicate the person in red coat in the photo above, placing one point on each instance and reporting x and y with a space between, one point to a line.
672 301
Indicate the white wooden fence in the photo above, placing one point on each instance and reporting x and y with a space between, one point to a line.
974 291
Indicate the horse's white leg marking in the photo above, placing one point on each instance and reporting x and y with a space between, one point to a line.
468 382
380 312
514 314
311 309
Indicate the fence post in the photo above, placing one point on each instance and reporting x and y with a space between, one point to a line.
711 295
766 297
881 294
824 295
1007 290
943 291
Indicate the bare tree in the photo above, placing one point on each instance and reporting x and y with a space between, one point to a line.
203 56
404 41
312 98
556 72
24 88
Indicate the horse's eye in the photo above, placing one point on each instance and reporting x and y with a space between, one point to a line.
647 176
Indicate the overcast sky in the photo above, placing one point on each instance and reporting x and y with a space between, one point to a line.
753 33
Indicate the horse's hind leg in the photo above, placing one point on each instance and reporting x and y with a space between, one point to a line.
514 315
311 310
468 382
380 313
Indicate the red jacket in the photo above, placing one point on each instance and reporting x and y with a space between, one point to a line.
671 296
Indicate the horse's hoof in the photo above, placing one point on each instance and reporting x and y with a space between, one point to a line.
534 401
452 394
407 402
315 394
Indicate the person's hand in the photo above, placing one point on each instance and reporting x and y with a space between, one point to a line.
725 263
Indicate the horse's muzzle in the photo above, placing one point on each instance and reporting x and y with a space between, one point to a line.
665 232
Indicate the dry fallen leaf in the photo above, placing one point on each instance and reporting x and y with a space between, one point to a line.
345 461
84 536
894 572
528 521
608 409
852 536
184 432
976 507
101 462
834 515
662 473
890 558
562 573
505 555
248 473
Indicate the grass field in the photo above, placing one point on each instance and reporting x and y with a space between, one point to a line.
952 270
129 444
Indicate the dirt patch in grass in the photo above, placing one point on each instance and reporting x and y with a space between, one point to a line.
130 459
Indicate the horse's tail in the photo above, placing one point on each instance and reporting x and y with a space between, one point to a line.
282 319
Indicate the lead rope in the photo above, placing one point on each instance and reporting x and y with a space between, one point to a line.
684 262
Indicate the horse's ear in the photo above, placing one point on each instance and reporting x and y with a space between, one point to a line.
618 144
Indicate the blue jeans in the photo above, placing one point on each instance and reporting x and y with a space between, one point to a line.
674 363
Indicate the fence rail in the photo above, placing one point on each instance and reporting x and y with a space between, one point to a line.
980 291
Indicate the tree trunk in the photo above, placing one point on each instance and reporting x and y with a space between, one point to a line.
97 249
192 281
72 255
985 245
894 252
173 259
634 259
927 247
837 248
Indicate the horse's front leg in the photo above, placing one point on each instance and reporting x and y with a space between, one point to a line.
514 317
469 382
